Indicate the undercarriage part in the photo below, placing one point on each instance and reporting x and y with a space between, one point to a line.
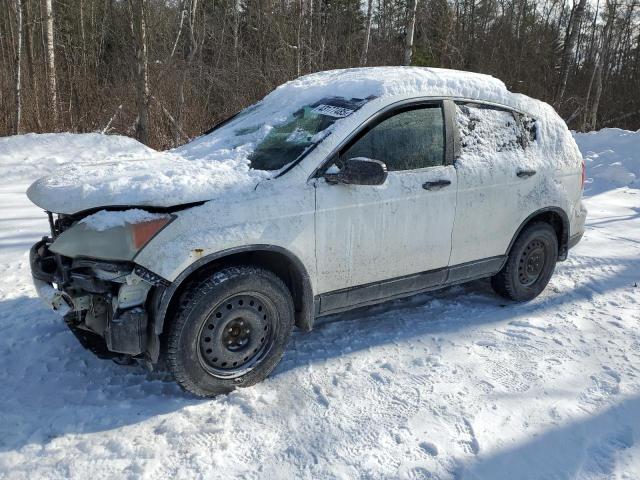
105 303
97 313
89 340
132 293
127 332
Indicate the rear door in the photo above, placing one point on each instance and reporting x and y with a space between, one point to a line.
498 183
367 234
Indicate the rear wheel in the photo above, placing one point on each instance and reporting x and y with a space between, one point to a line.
530 264
229 330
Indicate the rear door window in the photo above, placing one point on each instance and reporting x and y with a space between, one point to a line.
485 128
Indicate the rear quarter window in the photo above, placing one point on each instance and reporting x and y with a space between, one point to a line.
485 129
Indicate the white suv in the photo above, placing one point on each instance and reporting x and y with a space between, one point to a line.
338 190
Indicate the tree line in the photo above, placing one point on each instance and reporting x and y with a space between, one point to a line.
163 71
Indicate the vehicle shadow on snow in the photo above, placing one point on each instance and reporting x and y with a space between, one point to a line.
621 218
589 447
51 386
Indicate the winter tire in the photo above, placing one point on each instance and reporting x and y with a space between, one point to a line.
229 330
529 265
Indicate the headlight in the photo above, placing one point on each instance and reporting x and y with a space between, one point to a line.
110 235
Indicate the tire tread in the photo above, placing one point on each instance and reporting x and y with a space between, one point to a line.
503 281
193 293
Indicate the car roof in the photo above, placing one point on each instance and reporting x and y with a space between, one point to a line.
401 81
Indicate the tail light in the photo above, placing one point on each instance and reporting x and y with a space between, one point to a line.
584 174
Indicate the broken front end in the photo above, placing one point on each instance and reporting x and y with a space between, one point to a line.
88 276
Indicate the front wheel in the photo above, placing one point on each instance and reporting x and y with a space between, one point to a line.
229 331
529 265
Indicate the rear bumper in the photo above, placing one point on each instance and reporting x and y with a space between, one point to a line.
577 226
574 239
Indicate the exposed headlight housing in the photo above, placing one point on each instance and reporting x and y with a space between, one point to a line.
120 242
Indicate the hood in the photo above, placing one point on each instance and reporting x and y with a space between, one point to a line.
163 181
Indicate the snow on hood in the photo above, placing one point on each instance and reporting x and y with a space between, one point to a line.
104 220
45 153
162 181
218 163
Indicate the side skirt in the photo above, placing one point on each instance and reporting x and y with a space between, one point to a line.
385 290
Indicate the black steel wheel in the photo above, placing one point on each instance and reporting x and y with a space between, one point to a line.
236 335
229 330
530 263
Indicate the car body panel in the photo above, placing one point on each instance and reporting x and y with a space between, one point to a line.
275 213
357 244
373 233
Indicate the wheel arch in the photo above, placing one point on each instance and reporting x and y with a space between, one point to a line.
276 259
554 216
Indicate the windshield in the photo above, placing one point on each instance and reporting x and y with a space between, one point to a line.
271 140
307 127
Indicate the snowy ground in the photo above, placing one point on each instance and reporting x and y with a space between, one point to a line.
456 384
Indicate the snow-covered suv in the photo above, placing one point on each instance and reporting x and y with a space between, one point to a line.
339 189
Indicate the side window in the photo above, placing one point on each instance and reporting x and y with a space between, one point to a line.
528 128
484 128
408 140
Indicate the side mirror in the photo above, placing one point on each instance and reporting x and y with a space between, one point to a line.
359 171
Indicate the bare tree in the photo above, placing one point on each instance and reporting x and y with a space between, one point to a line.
183 14
201 61
367 34
569 47
298 46
236 28
599 66
190 49
139 30
409 31
51 63
31 73
18 66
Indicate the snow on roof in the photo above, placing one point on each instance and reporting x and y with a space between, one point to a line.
389 81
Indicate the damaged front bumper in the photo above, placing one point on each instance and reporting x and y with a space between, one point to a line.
107 305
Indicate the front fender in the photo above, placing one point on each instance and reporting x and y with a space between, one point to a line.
164 298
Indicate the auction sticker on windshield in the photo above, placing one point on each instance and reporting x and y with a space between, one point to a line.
332 111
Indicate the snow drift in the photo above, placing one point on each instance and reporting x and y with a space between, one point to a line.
453 385
612 156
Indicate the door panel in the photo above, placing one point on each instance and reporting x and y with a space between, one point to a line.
366 234
492 198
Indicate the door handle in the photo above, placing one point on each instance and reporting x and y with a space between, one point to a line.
435 185
526 173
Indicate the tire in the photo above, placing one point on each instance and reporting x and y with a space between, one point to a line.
229 330
529 265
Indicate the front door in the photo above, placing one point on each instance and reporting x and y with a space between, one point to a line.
369 234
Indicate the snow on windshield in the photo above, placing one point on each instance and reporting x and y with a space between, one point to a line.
270 144
289 141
